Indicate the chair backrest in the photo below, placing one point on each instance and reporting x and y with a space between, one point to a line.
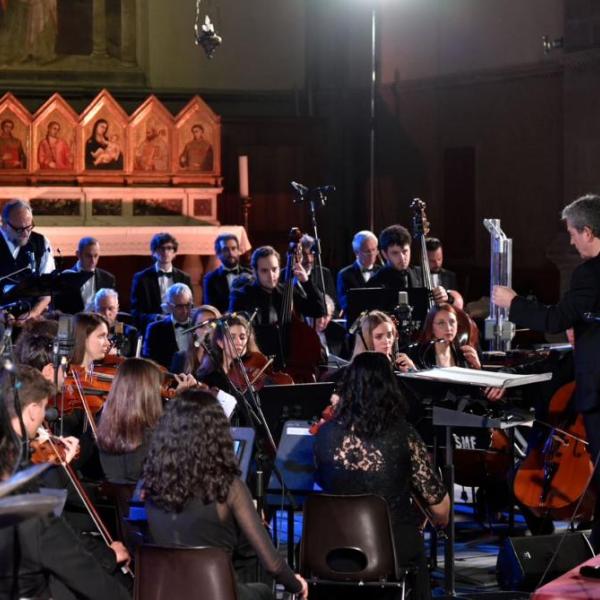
347 538
165 573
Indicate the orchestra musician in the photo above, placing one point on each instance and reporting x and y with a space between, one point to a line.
435 256
188 360
398 274
90 340
265 295
166 337
369 447
582 219
359 273
217 283
88 255
23 248
308 245
43 557
149 287
131 411
106 303
209 506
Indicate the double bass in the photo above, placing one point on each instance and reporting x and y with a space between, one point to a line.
302 345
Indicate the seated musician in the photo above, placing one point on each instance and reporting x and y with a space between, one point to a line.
217 283
149 287
188 360
52 560
208 506
369 447
308 245
394 243
131 411
331 334
88 255
265 295
440 275
91 341
106 303
166 337
359 273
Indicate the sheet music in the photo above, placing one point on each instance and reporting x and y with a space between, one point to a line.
462 376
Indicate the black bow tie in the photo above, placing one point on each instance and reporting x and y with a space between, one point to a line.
235 270
181 325
165 274
365 270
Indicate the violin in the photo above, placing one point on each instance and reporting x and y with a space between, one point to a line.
553 476
48 448
259 372
94 388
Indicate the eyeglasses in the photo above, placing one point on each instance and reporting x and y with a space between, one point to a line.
165 248
26 229
182 306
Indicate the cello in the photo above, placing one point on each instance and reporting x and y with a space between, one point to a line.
553 477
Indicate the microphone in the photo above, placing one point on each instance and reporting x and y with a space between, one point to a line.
324 189
300 189
31 259
20 306
354 327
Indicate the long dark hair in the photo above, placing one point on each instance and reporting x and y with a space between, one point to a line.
370 399
83 325
133 406
191 453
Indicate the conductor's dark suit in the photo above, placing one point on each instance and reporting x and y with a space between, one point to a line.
145 294
348 278
582 297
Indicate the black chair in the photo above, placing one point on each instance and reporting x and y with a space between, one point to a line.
165 573
348 540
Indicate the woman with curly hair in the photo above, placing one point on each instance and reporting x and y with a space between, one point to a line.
369 447
194 496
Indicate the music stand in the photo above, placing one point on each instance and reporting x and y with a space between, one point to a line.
48 284
300 402
243 444
385 299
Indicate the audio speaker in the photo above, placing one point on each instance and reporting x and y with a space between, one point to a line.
522 561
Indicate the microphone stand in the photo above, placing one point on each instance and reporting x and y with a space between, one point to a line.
255 408
317 194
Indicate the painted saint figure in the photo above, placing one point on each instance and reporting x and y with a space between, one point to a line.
12 155
53 151
197 154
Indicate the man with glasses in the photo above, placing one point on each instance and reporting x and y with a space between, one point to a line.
22 248
149 287
165 337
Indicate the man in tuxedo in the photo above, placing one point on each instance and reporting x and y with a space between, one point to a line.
217 283
397 274
88 255
149 287
165 337
307 242
125 337
435 256
265 295
359 273
23 248
582 219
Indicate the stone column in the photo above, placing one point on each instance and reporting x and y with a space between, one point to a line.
99 30
128 33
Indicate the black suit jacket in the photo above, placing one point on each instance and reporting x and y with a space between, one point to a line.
160 343
145 294
583 296
349 278
216 289
447 279
128 341
330 290
72 303
388 277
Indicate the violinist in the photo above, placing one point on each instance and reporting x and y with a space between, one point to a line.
51 555
266 295
131 411
397 274
188 360
91 340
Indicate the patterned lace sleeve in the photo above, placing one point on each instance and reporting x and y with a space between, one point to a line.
424 480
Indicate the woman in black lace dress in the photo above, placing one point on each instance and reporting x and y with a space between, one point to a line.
369 447
195 496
